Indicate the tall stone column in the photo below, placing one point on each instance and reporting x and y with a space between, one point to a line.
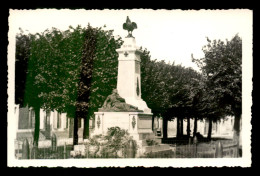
129 78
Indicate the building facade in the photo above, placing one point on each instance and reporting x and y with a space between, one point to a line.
221 128
51 122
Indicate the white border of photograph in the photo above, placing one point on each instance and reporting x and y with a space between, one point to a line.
242 16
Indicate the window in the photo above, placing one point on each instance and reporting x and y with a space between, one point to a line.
67 122
79 123
47 120
47 124
58 120
31 120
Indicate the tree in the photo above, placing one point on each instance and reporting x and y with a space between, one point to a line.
32 90
22 52
152 91
204 106
104 74
72 71
197 104
57 56
182 91
167 89
221 67
155 83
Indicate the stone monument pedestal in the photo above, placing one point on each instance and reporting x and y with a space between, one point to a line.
139 126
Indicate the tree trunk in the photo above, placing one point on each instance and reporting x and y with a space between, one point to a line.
75 130
87 63
181 130
71 127
86 128
188 127
165 128
36 126
210 128
79 122
178 127
236 135
195 126
47 126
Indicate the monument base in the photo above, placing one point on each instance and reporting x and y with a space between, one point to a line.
138 125
140 103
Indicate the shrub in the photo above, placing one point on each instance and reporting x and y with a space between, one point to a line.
112 145
151 142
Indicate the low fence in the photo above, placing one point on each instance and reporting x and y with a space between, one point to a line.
61 149
192 151
213 149
230 150
47 149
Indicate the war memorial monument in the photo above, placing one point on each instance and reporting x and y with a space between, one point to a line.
124 107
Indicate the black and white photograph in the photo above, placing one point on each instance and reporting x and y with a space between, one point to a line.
127 88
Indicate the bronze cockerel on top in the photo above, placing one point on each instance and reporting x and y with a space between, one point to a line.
129 26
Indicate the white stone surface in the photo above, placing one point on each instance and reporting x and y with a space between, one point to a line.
129 74
133 122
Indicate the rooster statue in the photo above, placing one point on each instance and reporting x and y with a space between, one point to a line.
129 26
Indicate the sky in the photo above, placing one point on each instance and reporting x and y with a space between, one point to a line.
170 35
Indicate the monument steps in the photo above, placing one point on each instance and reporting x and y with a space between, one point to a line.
156 148
150 136
159 150
143 136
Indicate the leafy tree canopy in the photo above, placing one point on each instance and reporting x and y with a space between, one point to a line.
222 69
168 89
65 65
